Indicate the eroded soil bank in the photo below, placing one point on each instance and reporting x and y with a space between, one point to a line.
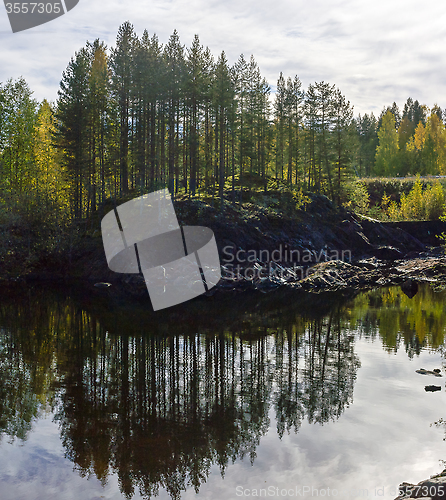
320 249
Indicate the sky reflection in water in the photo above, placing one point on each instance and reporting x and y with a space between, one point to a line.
100 400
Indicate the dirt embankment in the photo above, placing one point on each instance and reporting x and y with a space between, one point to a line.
321 248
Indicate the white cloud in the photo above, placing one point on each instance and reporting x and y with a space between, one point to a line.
376 53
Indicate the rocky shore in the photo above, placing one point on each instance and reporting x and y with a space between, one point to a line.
320 249
429 489
333 275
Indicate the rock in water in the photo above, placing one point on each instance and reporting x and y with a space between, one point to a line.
432 388
410 288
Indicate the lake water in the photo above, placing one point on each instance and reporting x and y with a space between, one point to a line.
280 395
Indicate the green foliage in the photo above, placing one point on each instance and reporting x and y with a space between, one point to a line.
393 187
416 143
421 203
143 116
386 160
301 199
277 185
366 127
356 197
18 114
288 197
412 323
434 201
412 205
33 201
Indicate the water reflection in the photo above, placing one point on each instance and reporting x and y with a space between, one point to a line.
159 399
399 320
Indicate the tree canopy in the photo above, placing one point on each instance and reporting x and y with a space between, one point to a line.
144 115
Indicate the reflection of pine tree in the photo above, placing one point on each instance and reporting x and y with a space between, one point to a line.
173 406
160 408
26 355
331 366
324 386
19 405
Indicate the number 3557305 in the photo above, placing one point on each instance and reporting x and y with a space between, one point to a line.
33 8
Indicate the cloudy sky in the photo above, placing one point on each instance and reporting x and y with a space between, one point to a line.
375 52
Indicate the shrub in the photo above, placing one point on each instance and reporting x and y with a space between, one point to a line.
418 204
357 197
301 199
434 201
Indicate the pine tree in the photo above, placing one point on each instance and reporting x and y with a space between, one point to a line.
293 105
368 142
280 110
343 136
223 100
240 77
175 67
98 111
310 106
72 125
121 64
324 94
405 131
196 90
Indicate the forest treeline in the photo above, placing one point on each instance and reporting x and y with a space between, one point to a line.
143 115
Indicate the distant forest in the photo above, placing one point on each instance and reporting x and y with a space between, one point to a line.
143 115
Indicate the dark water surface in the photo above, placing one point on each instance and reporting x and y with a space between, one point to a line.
279 395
